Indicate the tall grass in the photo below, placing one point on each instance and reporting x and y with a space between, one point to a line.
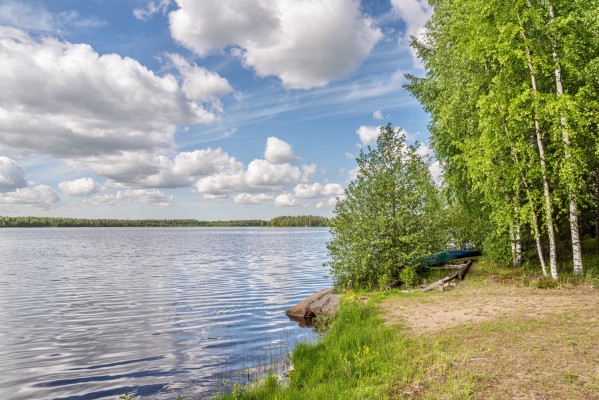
359 358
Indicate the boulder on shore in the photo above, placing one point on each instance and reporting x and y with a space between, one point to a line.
322 303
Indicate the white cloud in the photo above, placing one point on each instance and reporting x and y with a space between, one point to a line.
152 197
378 114
151 9
304 43
199 84
436 171
368 134
285 200
222 183
36 18
278 151
260 176
12 176
315 190
38 196
84 104
248 198
329 203
415 14
352 174
182 170
424 151
262 173
79 187
146 196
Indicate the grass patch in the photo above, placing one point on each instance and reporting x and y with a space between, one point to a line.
500 338
361 358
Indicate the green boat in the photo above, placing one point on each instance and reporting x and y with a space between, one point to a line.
441 258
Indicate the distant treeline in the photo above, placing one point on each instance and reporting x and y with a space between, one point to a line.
302 220
32 222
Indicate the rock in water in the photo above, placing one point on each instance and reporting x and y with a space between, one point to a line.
324 302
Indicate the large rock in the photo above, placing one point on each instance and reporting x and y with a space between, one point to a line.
322 303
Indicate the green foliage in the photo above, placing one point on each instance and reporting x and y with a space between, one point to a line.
409 276
299 221
481 57
389 218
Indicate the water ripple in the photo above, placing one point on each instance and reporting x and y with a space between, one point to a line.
94 313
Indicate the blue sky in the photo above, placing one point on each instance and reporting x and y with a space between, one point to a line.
204 109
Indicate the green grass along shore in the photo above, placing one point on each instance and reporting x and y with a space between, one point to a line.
531 349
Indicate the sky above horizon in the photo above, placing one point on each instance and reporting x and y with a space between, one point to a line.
199 109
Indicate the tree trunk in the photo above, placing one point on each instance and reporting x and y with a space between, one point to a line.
541 148
533 214
597 210
516 245
573 206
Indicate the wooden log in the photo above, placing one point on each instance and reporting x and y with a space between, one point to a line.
394 284
464 270
438 283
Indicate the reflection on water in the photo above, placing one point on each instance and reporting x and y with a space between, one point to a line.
91 313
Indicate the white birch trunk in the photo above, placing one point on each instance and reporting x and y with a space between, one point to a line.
533 214
516 244
541 148
573 206
597 211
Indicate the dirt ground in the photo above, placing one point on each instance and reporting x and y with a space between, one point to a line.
518 342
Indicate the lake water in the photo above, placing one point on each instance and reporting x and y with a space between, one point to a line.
92 313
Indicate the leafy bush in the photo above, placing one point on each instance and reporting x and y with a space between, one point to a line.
389 217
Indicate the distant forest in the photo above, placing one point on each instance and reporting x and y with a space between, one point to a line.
40 222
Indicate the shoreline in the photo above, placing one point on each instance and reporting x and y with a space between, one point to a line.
462 343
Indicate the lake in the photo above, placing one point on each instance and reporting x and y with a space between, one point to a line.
92 313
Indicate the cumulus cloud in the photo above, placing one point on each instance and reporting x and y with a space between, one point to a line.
278 151
285 200
185 167
38 196
152 197
368 134
249 198
263 173
84 104
223 175
151 9
315 190
305 44
329 203
378 114
79 187
260 176
12 176
199 84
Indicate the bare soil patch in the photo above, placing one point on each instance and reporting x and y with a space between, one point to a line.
466 304
508 342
